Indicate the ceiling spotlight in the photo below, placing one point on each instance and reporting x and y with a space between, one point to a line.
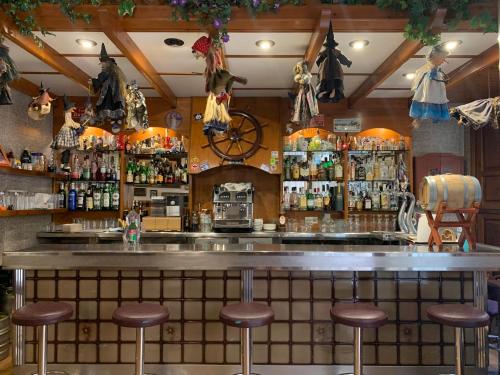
265 44
173 42
359 44
86 43
452 44
409 76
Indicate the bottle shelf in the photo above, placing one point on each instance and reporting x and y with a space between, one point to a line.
170 155
65 179
101 151
315 211
354 212
375 151
177 185
13 213
24 172
286 153
387 180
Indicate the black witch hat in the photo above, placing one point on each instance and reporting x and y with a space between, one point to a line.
67 104
330 39
104 54
42 89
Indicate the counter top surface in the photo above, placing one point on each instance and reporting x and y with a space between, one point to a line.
255 256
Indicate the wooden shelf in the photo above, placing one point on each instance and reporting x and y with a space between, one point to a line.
66 179
375 151
24 172
171 155
310 152
13 213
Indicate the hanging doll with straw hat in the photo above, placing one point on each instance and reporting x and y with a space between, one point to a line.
430 103
218 85
305 104
137 112
41 105
8 72
111 87
68 136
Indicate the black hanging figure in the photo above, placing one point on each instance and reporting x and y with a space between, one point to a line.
8 72
330 88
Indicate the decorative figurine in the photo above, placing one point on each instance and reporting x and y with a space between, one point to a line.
478 113
41 105
218 85
330 87
305 105
88 118
67 138
137 112
111 87
8 72
430 103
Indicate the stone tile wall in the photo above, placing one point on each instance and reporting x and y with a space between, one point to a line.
19 132
439 137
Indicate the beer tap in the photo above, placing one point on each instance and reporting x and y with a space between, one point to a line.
402 213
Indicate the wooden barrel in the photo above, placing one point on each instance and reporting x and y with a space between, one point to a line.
456 190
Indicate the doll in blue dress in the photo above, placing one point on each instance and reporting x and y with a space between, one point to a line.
430 103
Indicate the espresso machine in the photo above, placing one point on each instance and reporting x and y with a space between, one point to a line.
233 207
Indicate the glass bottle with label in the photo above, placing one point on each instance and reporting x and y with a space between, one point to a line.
80 203
106 198
326 198
302 200
339 199
295 170
367 202
62 196
294 199
385 200
115 198
310 200
304 171
286 199
375 199
97 198
89 199
339 171
318 200
288 169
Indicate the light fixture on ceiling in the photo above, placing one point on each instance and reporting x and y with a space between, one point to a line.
409 76
452 44
359 44
86 43
174 42
265 43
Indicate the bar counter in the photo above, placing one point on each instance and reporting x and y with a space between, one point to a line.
253 256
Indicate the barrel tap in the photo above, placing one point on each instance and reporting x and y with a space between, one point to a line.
410 214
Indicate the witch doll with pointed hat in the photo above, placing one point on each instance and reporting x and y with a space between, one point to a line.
68 136
8 72
40 105
218 84
111 88
330 88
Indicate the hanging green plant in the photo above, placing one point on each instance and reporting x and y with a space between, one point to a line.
420 13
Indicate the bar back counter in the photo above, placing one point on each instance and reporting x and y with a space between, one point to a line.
300 283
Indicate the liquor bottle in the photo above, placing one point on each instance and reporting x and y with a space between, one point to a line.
322 170
80 200
295 170
331 169
326 198
310 200
352 171
318 200
339 199
367 202
194 221
332 198
385 200
286 199
72 197
62 196
184 175
106 198
97 198
352 201
313 171
303 200
86 168
375 200
185 221
304 171
294 199
115 198
360 171
89 199
359 202
143 173
288 169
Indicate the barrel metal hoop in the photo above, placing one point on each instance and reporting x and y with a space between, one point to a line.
477 190
466 191
445 188
432 193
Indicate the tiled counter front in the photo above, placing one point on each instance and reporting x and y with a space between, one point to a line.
302 333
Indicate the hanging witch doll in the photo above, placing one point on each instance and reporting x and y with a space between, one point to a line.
430 103
330 87
8 72
305 105
111 87
68 136
41 105
137 112
478 113
218 85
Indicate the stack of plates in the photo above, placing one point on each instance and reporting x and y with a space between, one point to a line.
269 227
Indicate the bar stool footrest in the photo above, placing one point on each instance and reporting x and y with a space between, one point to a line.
53 372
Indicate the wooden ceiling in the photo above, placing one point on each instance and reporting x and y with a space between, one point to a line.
299 32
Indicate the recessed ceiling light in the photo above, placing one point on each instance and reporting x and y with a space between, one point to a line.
265 44
452 44
86 43
174 42
359 44
409 76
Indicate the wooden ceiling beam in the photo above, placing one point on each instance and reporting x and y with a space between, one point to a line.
476 64
318 37
402 54
25 86
133 53
46 54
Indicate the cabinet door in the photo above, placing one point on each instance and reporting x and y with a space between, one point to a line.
485 151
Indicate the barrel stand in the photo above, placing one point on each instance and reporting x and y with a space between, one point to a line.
466 219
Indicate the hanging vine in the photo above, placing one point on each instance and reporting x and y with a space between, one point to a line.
217 13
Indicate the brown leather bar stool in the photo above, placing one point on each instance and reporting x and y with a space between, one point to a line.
140 316
359 316
246 316
40 315
460 317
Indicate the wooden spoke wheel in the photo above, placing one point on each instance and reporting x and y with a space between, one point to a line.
241 140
